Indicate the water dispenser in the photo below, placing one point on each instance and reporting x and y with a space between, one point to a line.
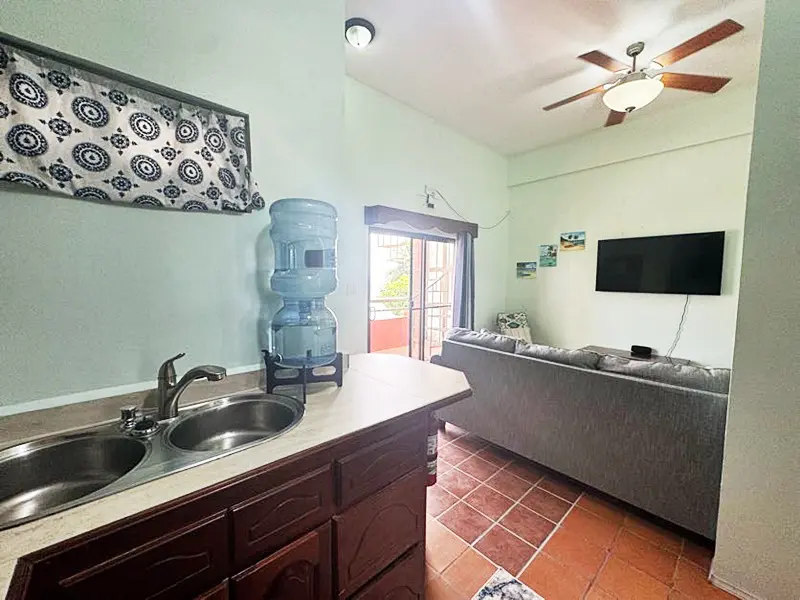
303 331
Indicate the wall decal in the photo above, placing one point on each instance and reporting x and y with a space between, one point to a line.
573 241
526 270
87 132
548 255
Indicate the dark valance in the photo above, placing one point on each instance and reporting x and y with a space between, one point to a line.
386 216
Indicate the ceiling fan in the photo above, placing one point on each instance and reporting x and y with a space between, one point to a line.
632 89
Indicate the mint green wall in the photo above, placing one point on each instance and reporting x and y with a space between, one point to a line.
93 296
681 170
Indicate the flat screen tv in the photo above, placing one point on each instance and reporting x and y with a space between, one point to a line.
667 264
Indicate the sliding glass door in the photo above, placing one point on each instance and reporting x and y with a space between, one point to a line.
411 293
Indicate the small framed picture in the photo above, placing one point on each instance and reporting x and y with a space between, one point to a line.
548 255
526 270
573 240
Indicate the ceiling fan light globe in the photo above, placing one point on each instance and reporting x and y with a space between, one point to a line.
633 94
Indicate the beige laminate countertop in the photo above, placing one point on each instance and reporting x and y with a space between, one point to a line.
377 388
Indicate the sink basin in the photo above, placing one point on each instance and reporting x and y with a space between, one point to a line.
234 422
38 477
52 474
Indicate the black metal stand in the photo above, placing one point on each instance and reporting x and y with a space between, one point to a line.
304 376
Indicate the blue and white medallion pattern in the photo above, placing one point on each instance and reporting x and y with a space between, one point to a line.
76 133
502 586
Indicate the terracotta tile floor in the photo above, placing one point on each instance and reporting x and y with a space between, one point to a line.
492 508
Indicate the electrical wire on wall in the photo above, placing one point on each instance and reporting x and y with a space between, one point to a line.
434 192
680 328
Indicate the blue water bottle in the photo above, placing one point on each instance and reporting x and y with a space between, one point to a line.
303 332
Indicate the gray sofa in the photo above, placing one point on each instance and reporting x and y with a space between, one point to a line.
654 445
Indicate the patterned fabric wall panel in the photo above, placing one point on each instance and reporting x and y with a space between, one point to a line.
73 132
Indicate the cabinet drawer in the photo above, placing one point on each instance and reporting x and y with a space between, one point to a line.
403 581
375 532
218 593
180 565
300 571
375 466
276 517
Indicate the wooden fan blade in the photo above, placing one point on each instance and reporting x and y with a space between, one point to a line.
596 90
711 36
604 60
694 83
615 118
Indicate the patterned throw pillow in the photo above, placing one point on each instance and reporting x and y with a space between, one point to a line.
514 325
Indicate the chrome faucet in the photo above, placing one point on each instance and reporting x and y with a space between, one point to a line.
169 391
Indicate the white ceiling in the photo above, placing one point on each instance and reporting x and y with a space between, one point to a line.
486 67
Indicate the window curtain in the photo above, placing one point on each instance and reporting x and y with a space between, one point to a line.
464 296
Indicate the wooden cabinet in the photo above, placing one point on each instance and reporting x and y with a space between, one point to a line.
378 530
300 571
178 565
377 465
344 521
403 581
219 592
274 518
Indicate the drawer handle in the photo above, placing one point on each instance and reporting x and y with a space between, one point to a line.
204 563
313 502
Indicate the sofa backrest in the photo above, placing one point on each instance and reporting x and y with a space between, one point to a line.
484 339
636 439
689 376
586 359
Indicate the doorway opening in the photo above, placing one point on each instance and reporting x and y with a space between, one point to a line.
410 292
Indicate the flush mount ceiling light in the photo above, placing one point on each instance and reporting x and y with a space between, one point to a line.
359 32
633 92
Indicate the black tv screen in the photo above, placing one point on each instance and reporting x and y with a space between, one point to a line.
667 264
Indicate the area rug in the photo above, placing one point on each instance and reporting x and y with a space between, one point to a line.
502 586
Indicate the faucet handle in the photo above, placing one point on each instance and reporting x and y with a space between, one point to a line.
128 416
166 373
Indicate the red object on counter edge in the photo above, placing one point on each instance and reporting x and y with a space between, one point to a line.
433 447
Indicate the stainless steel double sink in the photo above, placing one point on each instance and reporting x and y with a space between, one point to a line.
55 473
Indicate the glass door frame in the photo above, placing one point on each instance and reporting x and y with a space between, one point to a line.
411 236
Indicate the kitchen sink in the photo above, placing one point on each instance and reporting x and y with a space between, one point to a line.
52 474
38 476
234 422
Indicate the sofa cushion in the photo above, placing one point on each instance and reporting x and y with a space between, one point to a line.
689 376
485 339
577 358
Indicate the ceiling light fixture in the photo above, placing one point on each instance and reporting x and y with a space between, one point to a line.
633 92
359 32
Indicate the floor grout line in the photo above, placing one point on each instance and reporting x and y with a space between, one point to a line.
538 550
550 535
486 483
515 502
493 521
503 516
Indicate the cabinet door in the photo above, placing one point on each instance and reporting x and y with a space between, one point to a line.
299 571
403 581
374 533
376 466
271 520
218 593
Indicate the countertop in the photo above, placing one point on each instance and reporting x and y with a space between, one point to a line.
377 388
